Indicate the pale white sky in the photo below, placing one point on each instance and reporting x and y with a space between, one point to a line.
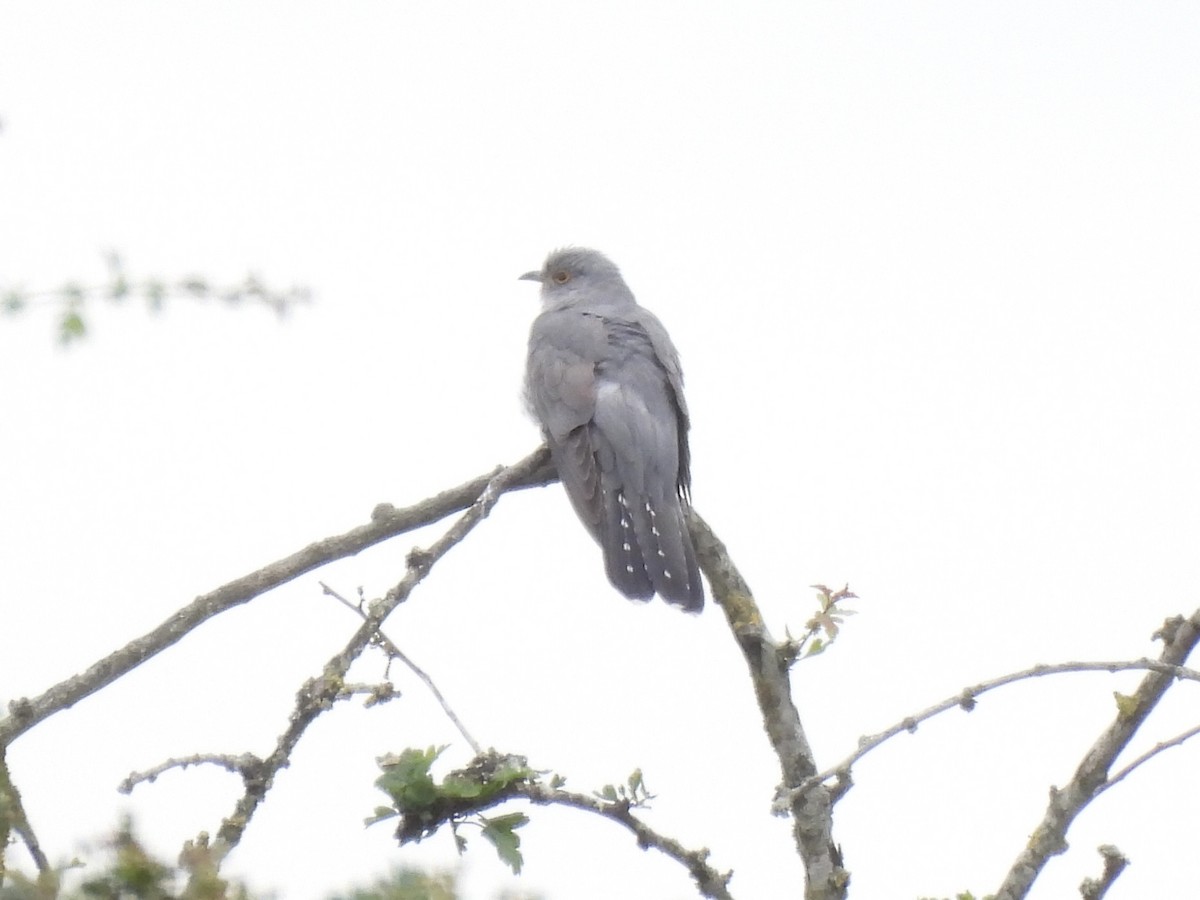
932 272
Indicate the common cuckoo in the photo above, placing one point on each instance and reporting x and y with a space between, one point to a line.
604 381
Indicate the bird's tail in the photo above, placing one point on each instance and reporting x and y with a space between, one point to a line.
648 550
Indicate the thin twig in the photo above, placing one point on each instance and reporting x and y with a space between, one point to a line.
356 608
711 882
241 764
394 652
1147 756
1180 636
386 522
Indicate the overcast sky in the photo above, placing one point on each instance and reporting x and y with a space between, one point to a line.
932 271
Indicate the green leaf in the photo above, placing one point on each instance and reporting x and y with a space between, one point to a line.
635 782
508 820
71 327
511 770
406 778
382 813
465 788
501 832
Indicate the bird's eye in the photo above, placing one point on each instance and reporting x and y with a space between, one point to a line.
561 277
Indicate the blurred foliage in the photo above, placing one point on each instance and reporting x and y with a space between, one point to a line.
132 872
411 884
73 303
406 884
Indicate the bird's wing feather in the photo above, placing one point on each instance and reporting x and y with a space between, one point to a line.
638 411
657 343
561 392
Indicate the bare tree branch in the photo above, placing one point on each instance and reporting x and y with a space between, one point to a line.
711 882
966 700
809 800
1050 838
386 522
804 792
318 694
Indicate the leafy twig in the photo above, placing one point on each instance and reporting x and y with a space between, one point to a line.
827 620
424 806
72 298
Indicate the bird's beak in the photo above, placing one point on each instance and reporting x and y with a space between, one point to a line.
531 276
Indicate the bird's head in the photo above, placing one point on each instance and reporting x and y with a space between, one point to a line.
576 272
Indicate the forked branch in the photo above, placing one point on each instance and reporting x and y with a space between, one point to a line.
1180 637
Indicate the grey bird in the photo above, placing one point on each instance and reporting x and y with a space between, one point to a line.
604 381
